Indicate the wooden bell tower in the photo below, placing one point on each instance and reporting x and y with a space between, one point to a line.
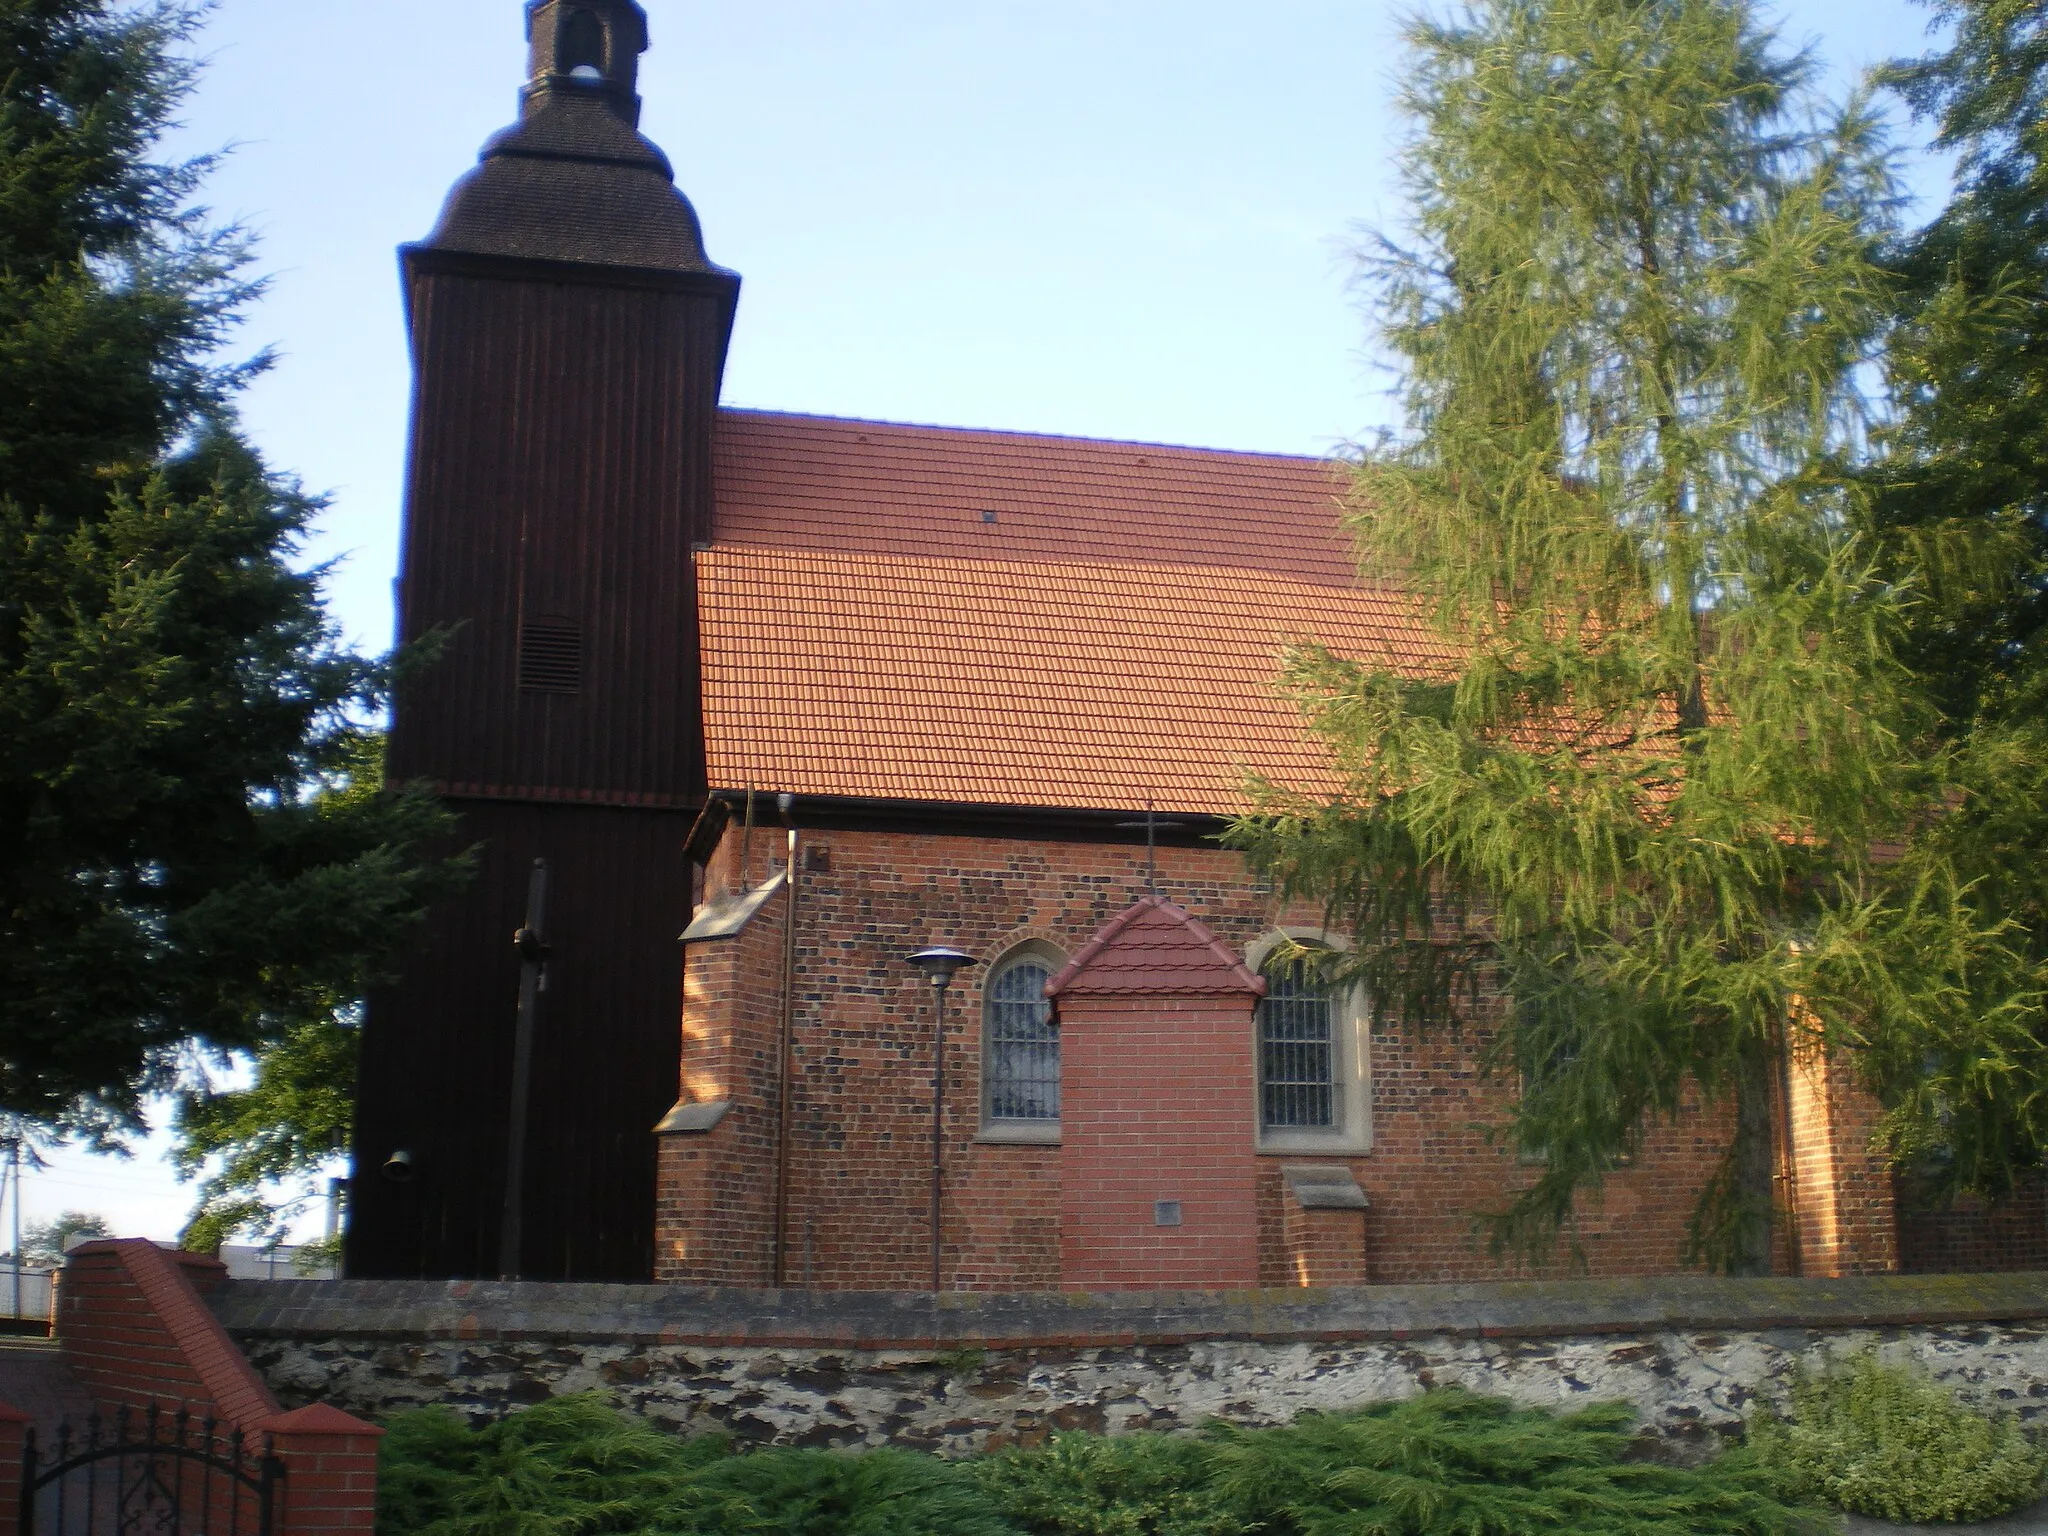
568 339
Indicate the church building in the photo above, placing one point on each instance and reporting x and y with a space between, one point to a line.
742 711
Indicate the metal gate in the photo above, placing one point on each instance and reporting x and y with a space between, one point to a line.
151 1474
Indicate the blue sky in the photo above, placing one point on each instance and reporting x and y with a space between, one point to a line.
1124 219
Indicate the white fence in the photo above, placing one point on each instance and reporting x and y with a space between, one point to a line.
246 1261
35 1291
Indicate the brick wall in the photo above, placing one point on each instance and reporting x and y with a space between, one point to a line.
1842 1189
859 1135
1972 1233
133 1327
1156 1105
330 1481
14 1427
714 1190
1322 1232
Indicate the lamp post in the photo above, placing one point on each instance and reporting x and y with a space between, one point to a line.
939 965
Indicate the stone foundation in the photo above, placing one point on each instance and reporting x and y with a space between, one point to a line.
960 1374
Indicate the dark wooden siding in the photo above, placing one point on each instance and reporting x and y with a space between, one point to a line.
437 1055
560 469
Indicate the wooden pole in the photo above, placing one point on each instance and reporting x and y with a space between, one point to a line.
533 953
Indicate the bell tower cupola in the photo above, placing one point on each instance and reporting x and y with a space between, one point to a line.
573 179
587 46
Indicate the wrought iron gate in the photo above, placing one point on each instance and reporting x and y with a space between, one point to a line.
151 1474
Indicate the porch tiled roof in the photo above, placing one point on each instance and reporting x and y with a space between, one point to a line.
1111 636
1155 948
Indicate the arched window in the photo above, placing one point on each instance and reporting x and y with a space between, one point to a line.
1311 1036
1297 1049
1020 1052
582 44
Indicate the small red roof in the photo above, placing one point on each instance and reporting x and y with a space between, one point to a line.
1158 948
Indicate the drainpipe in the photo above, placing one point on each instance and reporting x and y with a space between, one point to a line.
1788 1156
785 1063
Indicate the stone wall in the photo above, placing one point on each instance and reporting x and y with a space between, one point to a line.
958 1373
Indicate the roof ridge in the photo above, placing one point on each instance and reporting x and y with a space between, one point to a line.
885 424
734 548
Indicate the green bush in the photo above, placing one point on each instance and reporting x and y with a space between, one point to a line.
1444 1464
575 1466
1888 1441
854 1493
1451 1462
1092 1485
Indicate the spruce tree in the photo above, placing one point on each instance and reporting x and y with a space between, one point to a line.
1665 779
172 695
1960 500
1963 493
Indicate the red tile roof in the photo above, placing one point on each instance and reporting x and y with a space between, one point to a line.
1110 637
1154 947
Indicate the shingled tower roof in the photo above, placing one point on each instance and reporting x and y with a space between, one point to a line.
1154 947
573 180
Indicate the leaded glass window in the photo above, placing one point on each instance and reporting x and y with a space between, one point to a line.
1021 1067
1297 1049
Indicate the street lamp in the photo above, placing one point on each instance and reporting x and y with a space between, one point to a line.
939 966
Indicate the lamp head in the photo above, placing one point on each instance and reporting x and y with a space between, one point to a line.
939 964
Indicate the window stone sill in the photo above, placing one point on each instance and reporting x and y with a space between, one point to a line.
1019 1133
1314 1146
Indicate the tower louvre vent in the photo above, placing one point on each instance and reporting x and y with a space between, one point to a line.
551 655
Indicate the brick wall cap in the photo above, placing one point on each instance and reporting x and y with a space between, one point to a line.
318 1419
93 1245
1154 947
424 1310
692 1118
1326 1187
184 1258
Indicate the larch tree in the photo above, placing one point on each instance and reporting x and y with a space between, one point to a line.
1666 785
173 698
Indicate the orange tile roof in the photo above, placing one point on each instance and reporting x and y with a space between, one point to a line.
1110 637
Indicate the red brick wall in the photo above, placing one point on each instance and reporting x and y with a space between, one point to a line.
1156 1100
860 1140
330 1482
133 1330
714 1190
1972 1234
14 1426
1842 1189
1321 1247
